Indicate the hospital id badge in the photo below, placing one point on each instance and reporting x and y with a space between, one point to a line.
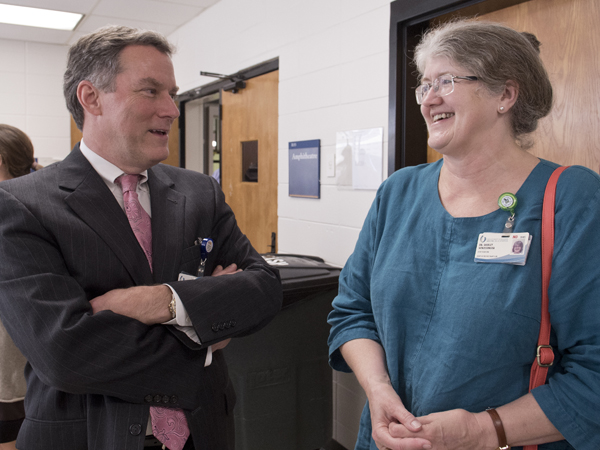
505 248
186 276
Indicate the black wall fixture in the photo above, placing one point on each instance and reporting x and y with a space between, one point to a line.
236 82
225 83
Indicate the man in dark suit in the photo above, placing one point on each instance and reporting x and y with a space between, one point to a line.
89 302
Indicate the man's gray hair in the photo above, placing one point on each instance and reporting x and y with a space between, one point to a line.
95 58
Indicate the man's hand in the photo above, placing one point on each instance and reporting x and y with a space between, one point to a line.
220 345
148 304
229 270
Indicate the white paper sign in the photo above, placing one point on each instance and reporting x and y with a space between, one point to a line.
359 158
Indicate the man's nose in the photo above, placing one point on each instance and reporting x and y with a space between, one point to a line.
170 108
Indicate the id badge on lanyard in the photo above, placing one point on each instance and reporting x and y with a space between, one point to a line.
507 247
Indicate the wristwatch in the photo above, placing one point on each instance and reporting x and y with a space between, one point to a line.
173 306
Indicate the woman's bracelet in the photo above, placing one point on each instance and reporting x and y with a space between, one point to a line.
502 444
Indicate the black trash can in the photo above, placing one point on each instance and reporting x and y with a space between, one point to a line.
280 374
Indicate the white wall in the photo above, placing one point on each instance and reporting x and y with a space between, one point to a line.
333 76
31 95
333 62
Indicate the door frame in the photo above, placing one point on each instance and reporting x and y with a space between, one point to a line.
407 135
216 87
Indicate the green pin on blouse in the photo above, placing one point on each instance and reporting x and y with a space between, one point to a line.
508 202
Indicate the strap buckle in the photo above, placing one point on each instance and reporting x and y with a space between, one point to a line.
548 357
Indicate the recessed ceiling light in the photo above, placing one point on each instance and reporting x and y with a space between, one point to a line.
36 17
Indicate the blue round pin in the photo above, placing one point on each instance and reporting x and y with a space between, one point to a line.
206 247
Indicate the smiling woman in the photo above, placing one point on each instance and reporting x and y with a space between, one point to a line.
436 338
493 65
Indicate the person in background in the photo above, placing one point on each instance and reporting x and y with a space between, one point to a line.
435 338
16 159
101 264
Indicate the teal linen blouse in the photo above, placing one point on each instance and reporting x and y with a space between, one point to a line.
460 334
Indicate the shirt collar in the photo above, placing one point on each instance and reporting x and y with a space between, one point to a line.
107 170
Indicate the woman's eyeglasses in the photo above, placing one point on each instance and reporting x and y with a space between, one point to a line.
442 85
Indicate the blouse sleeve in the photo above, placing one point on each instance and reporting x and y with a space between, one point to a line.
571 398
352 315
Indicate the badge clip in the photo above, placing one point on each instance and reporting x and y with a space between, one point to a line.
206 246
508 202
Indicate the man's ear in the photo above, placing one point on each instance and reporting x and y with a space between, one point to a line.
89 98
509 96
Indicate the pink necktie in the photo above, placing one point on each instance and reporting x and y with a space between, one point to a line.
169 425
137 216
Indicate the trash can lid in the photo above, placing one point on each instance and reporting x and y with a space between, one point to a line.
303 275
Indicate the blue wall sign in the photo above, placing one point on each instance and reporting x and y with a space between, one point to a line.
304 162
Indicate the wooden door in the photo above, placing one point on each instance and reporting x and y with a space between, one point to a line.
571 53
249 125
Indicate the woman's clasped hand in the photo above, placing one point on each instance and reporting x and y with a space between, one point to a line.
395 428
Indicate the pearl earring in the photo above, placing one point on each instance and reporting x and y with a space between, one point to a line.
502 108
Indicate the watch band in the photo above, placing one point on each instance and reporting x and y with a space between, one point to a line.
502 444
173 306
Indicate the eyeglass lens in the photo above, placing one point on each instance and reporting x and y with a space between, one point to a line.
442 85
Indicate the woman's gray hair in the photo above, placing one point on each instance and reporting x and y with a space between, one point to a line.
495 54
95 58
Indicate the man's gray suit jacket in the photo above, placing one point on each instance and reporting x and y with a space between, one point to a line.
91 378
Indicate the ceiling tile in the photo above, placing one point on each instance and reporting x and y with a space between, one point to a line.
95 22
147 11
164 16
75 37
34 34
196 3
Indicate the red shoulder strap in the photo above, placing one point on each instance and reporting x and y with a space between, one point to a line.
545 354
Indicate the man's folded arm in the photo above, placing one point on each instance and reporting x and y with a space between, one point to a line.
50 318
241 303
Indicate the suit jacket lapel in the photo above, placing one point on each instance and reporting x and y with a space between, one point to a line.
168 220
93 202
